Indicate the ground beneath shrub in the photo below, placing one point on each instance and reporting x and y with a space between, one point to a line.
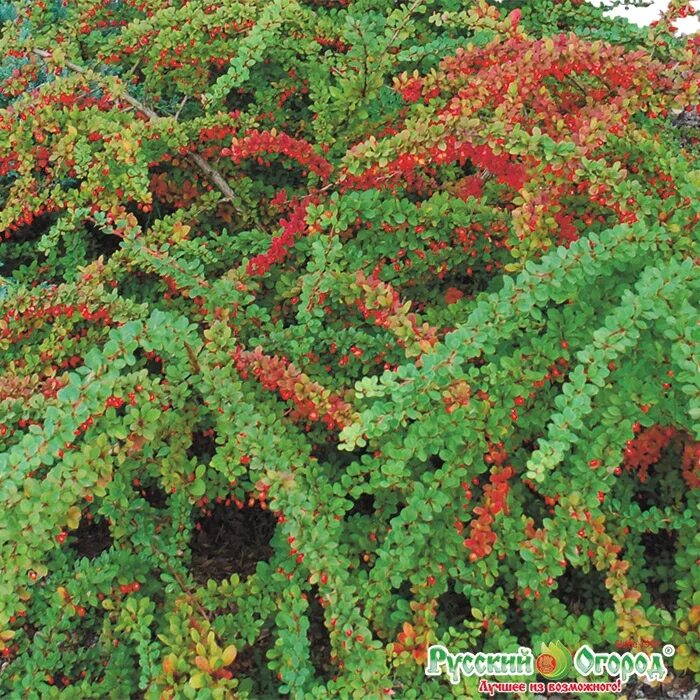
319 639
231 541
91 538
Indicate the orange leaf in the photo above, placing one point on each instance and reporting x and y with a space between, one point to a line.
202 664
452 295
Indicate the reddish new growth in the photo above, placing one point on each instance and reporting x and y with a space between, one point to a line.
312 402
258 143
645 450
691 464
495 500
292 227
38 315
410 640
406 169
254 146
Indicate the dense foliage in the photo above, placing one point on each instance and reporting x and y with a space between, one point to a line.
330 329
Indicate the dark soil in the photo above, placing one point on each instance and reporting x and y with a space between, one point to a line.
319 638
583 592
154 496
231 541
91 538
453 608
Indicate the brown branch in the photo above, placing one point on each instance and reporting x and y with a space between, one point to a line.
398 29
214 176
193 358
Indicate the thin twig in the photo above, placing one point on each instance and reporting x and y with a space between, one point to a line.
401 25
214 176
182 104
73 66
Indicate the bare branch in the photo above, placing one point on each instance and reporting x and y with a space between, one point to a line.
214 176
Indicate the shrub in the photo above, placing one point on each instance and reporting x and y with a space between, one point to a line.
333 329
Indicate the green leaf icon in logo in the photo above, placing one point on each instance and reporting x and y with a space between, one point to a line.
554 661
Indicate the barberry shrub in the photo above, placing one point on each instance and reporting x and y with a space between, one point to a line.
331 329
